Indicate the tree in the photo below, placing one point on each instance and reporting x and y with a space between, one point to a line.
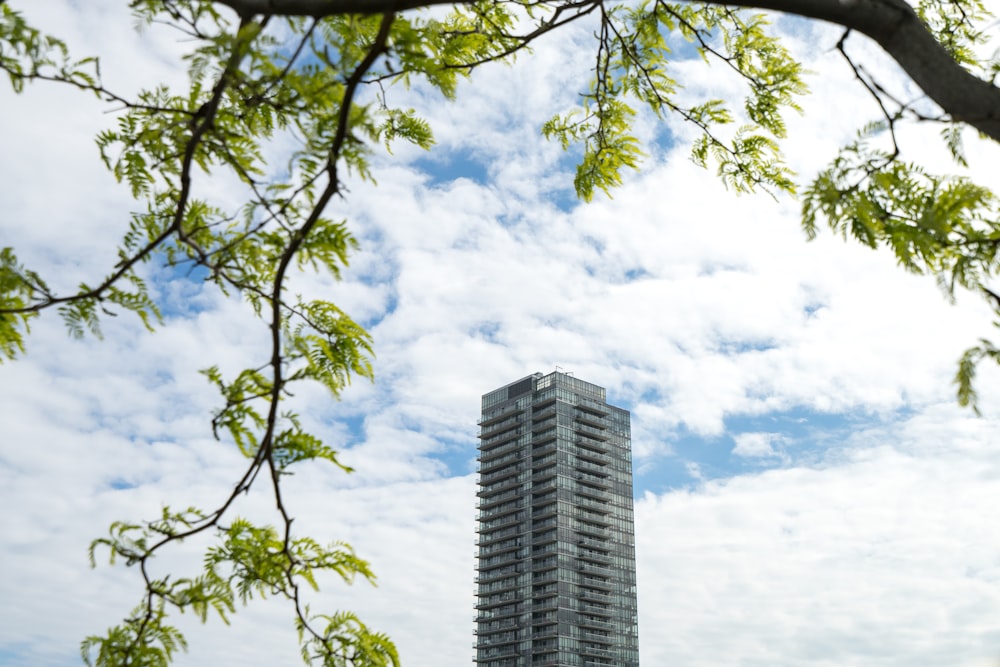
318 70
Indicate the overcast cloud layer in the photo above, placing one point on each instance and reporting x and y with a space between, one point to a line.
807 491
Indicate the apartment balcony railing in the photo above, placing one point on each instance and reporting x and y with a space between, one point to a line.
594 569
549 447
598 505
593 622
591 478
595 556
601 610
484 503
495 430
600 518
602 471
501 522
506 414
551 522
500 510
598 493
590 431
592 530
488 454
538 416
588 594
592 455
592 407
583 417
505 471
593 582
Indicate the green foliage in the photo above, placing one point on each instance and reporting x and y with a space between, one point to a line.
142 640
634 58
944 226
247 85
247 561
26 54
17 285
345 641
325 83
959 25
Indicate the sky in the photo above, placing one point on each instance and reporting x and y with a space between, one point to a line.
807 490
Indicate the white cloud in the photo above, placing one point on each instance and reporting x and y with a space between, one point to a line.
882 558
755 445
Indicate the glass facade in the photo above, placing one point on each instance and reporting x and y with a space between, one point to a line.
556 561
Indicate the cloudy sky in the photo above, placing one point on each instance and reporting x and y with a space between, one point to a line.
807 491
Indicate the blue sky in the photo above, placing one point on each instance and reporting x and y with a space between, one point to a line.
807 490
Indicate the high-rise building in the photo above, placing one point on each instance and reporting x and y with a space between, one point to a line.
556 562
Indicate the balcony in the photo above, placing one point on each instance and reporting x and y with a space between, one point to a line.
513 613
601 506
545 632
506 471
591 530
511 428
546 577
598 638
594 569
544 474
598 609
537 416
548 447
592 455
545 511
593 582
594 622
499 511
600 518
592 492
548 400
502 522
490 589
545 538
502 571
496 419
545 486
542 604
497 600
592 479
595 556
494 450
590 431
500 486
484 503
545 436
593 468
592 407
588 419
596 596
545 661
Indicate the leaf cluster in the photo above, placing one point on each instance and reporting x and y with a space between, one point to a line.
636 45
246 561
944 226
252 85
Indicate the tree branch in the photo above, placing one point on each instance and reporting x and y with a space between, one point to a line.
891 23
321 8
899 31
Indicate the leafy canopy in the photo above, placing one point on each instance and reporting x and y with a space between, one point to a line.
323 78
